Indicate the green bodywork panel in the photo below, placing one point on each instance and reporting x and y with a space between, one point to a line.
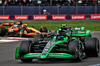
39 55
50 55
17 53
82 28
53 44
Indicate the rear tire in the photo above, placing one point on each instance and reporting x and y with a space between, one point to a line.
37 38
25 48
73 48
84 37
2 31
92 47
44 29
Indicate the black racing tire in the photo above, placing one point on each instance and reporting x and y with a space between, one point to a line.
25 48
92 47
73 49
37 38
44 29
2 31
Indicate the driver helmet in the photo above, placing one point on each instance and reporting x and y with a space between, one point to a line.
60 37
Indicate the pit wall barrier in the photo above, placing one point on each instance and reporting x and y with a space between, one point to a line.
51 17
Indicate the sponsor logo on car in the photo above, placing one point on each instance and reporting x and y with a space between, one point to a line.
4 17
81 32
39 17
58 17
21 17
77 17
95 16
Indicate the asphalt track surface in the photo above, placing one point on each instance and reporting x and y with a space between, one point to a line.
7 57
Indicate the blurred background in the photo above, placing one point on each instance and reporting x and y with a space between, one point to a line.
50 2
49 7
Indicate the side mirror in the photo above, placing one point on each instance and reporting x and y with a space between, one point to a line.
49 30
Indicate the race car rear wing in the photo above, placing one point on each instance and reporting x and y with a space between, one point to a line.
6 24
80 33
77 28
73 28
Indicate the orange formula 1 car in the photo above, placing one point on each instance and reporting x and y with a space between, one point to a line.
21 30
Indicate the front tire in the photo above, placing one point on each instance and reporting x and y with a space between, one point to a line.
25 48
75 48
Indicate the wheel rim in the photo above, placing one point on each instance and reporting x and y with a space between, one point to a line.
97 47
78 53
80 50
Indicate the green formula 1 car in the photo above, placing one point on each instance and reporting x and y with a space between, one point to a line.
64 45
